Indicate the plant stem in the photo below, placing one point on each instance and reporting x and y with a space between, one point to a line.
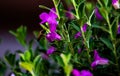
33 73
88 50
56 7
113 43
76 9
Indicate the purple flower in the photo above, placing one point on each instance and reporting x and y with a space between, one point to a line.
69 14
97 14
115 4
53 36
50 50
50 18
84 28
86 73
77 35
118 31
76 72
98 60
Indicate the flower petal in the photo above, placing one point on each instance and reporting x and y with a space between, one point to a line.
77 35
98 60
84 28
50 50
115 4
44 17
118 31
52 13
85 73
97 14
53 36
76 72
96 55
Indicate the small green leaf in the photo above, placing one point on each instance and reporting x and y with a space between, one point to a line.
45 28
68 69
88 35
103 12
22 56
27 66
100 27
107 42
75 26
27 55
59 60
10 58
37 60
20 35
65 58
105 2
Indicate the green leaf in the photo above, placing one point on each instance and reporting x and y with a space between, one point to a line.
22 56
20 35
10 58
105 2
45 28
65 58
88 35
43 43
68 69
27 66
115 28
107 42
89 8
59 60
3 67
100 27
103 12
75 26
27 55
37 60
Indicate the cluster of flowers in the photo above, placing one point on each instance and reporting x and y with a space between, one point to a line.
51 19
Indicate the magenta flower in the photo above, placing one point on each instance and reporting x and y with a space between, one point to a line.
69 14
50 18
53 36
77 35
76 72
98 60
115 4
97 14
84 28
118 31
50 50
86 73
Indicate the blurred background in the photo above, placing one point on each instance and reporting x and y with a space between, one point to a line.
13 14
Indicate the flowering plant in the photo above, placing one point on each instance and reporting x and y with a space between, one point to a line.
82 40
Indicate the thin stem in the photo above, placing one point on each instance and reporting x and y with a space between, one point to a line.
56 7
88 50
110 28
76 9
112 39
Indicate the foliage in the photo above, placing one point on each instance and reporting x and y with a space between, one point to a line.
84 40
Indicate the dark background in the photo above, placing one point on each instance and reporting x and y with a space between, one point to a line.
14 13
